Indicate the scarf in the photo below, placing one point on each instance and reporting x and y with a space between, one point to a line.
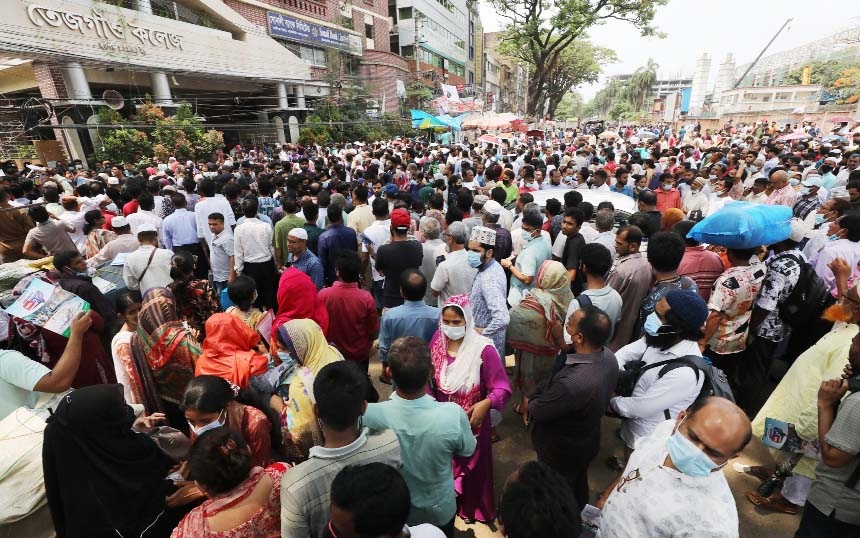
460 380
306 343
228 351
164 352
531 320
297 299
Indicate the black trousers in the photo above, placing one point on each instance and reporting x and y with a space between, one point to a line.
265 274
816 524
201 268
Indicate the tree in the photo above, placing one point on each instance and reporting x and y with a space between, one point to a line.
824 73
538 32
639 86
579 63
571 106
847 86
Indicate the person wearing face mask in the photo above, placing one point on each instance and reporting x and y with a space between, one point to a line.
71 273
534 252
695 204
809 200
565 412
211 402
468 371
828 178
844 243
667 195
673 484
489 288
672 330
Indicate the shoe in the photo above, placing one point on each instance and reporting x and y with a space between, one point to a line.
775 503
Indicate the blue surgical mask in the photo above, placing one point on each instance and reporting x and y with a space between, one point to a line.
804 191
819 219
652 324
793 181
217 423
834 237
688 458
527 236
752 169
667 188
474 259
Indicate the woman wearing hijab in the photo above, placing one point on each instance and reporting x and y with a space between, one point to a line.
244 498
297 299
529 334
302 341
231 351
469 372
102 478
164 352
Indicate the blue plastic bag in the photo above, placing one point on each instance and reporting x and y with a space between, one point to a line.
744 225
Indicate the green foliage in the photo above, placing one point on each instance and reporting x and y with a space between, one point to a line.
175 136
571 106
628 99
538 32
824 73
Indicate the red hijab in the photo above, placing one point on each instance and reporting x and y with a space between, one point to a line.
297 299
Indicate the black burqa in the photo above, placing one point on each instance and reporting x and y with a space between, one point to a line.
102 478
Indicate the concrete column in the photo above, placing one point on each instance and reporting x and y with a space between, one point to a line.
144 6
283 103
77 87
161 89
300 96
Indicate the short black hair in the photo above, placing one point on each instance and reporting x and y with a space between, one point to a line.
553 206
851 224
683 228
634 234
340 389
219 460
572 198
665 251
376 495
595 325
643 221
38 213
379 207
348 265
596 258
241 291
216 216
65 258
576 214
145 201
532 219
538 502
409 360
250 207
334 213
414 284
648 197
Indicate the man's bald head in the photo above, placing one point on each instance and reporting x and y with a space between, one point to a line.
413 285
779 179
717 426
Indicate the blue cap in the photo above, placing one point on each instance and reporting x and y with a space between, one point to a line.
391 189
689 307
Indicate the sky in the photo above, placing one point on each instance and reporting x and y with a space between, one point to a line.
740 27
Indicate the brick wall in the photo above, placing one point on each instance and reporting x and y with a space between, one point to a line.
50 80
381 70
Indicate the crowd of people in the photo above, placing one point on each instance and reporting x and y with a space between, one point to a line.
224 390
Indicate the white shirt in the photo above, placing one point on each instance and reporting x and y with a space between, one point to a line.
156 276
841 248
252 243
379 233
607 239
453 276
665 503
76 219
588 233
206 207
674 391
506 219
145 217
122 243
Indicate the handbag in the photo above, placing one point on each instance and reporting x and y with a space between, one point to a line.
172 442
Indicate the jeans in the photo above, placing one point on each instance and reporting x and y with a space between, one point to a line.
815 524
219 287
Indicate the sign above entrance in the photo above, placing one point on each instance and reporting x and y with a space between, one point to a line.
293 29
96 24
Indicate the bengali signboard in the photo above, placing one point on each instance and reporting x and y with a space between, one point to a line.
290 28
479 53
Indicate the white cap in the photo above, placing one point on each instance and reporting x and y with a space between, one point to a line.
146 227
118 222
492 207
299 233
113 180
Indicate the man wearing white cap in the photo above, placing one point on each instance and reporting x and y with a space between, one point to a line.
809 201
124 242
149 266
489 289
303 259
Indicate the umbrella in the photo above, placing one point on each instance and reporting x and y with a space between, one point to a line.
793 136
488 139
840 119
607 134
645 133
834 138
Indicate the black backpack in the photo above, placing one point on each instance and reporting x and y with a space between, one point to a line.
716 382
807 300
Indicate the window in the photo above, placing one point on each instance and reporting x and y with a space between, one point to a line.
406 51
312 55
404 13
368 31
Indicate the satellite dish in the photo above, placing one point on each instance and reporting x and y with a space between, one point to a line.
113 99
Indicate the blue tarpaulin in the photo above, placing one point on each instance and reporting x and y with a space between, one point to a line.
423 120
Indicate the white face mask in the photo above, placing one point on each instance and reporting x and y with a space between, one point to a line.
453 333
217 423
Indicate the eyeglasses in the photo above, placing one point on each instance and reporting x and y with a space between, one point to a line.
631 476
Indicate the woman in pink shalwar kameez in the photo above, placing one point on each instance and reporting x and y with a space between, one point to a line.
469 372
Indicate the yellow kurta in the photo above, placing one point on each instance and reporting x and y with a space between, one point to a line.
795 399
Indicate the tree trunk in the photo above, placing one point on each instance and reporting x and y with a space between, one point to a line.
536 98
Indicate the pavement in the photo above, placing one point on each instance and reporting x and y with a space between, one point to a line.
514 448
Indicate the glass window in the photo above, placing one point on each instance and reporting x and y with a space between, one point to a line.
368 31
405 13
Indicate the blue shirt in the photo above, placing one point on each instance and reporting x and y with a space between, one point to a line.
309 265
412 318
180 228
625 190
488 303
430 434
337 237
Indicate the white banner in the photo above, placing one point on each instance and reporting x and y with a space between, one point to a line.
450 93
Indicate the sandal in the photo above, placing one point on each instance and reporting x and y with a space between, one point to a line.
518 409
773 503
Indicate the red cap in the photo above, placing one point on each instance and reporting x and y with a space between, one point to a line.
400 219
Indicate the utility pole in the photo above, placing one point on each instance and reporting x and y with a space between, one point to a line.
760 54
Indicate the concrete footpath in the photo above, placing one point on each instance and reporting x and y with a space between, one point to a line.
514 448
